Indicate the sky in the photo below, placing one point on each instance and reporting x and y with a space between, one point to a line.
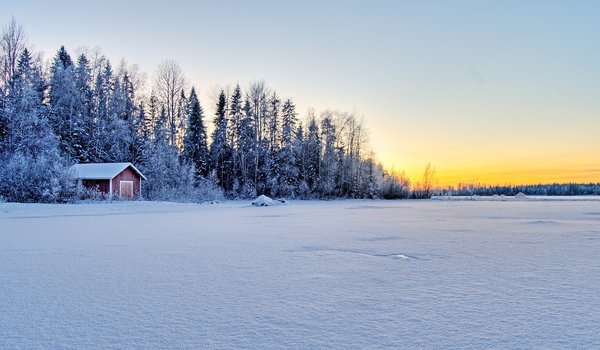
504 92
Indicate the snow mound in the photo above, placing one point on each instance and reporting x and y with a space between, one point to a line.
264 201
520 195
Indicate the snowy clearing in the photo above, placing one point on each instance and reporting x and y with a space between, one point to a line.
315 274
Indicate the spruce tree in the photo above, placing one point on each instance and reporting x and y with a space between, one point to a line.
312 148
236 114
302 189
220 151
103 86
247 153
329 163
29 131
288 171
32 169
65 105
195 143
141 135
85 116
118 125
153 114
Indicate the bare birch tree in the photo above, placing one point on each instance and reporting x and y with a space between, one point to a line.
12 43
170 81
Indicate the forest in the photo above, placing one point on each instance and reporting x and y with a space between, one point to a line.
555 189
80 108
83 109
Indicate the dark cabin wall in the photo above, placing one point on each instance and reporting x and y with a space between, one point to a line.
102 185
127 175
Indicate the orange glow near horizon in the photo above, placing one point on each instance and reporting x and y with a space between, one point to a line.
505 173
541 145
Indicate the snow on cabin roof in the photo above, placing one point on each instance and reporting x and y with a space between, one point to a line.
102 171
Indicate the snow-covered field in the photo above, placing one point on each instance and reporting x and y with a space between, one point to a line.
308 275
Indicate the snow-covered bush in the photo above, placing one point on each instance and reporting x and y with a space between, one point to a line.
264 201
207 189
46 178
171 180
426 187
520 195
395 185
91 194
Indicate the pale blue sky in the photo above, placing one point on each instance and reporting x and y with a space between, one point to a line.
478 88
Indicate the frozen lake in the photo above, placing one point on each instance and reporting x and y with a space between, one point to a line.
315 274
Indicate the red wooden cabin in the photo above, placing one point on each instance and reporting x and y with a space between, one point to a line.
122 180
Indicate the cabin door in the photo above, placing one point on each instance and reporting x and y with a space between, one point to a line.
126 189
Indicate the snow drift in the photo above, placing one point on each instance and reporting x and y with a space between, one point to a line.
264 201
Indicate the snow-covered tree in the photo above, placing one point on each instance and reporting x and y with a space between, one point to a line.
153 114
170 178
300 155
220 150
141 135
195 142
236 115
288 170
247 153
312 149
84 107
329 163
31 168
12 44
65 105
169 83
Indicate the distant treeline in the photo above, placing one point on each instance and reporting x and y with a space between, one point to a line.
556 189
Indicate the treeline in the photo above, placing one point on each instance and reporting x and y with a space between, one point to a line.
556 189
82 109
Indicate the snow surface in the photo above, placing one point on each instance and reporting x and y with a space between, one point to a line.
329 274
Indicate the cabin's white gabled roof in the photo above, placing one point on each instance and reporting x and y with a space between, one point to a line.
101 171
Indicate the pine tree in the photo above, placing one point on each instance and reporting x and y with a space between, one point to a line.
258 103
141 135
101 126
168 177
288 171
273 122
103 89
236 114
312 148
32 169
29 132
195 143
247 153
160 127
330 159
268 172
220 151
118 126
85 116
302 188
65 105
153 114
